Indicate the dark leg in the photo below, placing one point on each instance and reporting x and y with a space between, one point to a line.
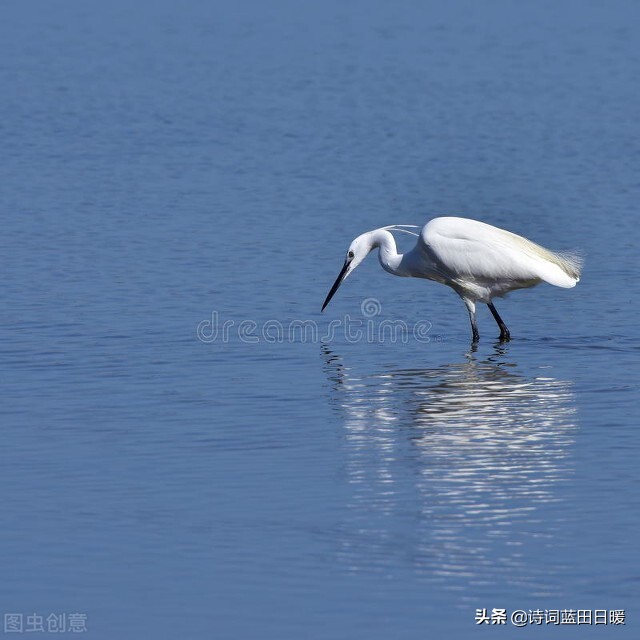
504 332
471 308
475 334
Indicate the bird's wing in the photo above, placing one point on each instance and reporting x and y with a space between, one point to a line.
469 249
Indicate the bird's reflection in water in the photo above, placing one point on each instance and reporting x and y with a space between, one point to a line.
456 469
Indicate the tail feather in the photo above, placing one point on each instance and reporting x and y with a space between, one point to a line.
562 269
571 263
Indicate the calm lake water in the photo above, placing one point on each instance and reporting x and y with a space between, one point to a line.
171 167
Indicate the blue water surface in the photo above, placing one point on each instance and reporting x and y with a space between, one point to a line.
189 448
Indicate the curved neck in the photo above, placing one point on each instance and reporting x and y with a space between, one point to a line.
388 255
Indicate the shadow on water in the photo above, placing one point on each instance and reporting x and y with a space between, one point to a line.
456 469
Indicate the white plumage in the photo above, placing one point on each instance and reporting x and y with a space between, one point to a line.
478 261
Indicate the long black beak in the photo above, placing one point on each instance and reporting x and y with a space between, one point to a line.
337 283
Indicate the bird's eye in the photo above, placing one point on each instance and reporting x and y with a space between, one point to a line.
350 254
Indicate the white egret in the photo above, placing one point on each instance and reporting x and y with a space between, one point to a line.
478 261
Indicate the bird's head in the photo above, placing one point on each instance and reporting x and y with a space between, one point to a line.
358 250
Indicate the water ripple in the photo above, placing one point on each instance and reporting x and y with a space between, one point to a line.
464 454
